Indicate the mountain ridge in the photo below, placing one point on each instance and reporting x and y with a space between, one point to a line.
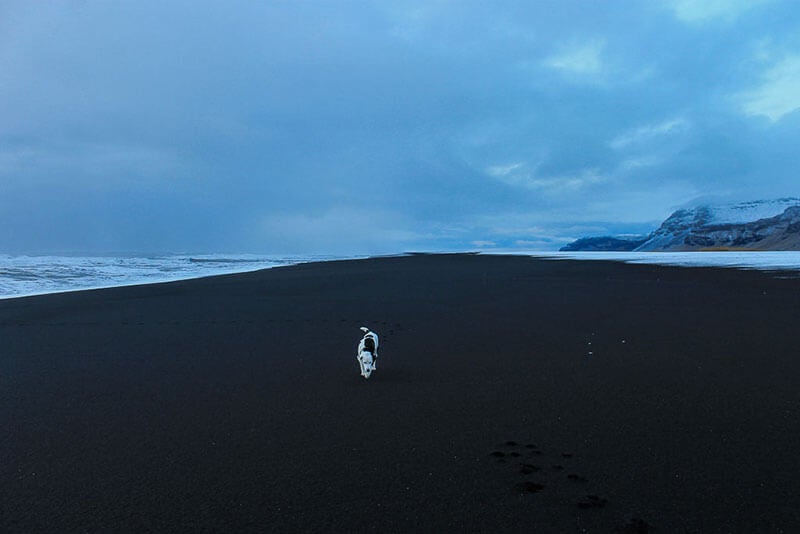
754 225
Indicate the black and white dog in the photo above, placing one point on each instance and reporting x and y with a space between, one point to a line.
367 352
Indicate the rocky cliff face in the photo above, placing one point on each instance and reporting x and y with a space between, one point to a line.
697 230
757 225
605 243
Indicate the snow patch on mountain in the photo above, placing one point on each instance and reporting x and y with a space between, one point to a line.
745 212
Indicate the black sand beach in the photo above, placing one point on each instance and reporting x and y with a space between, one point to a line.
512 395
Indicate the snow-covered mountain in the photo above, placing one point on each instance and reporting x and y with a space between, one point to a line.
744 212
756 225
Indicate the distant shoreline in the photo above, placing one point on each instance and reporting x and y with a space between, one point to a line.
729 258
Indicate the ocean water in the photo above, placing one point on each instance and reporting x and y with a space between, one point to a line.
783 263
36 275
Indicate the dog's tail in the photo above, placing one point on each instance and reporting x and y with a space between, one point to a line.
364 329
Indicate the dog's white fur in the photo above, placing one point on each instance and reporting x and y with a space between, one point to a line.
367 360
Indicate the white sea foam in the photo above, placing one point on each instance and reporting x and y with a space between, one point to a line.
36 275
766 261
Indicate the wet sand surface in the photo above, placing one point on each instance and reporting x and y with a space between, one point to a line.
512 394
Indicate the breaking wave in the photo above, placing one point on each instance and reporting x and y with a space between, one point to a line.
36 275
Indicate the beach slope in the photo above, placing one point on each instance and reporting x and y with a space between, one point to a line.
512 394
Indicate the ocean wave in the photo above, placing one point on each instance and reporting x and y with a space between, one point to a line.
36 275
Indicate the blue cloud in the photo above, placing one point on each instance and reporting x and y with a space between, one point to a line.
363 127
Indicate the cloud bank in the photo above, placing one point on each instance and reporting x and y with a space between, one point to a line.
309 127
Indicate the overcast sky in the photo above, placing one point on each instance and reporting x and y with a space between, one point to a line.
373 127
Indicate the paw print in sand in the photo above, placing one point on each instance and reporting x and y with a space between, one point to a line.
529 459
555 470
